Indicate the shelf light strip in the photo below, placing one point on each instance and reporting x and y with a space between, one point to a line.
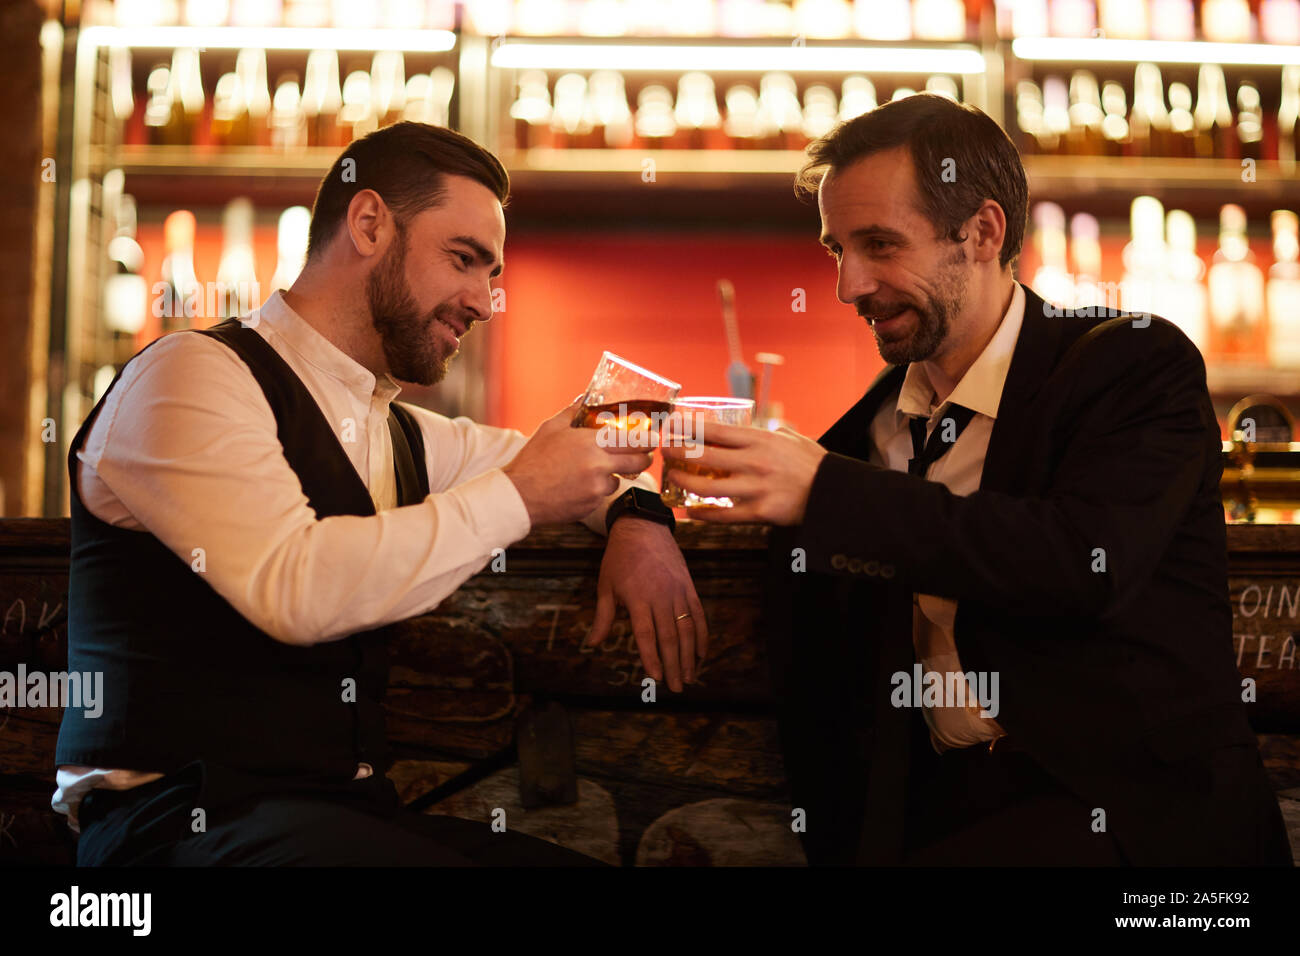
1154 51
744 59
270 38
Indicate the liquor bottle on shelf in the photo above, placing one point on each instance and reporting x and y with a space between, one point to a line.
1144 257
229 114
237 291
819 111
573 127
939 19
1236 292
1029 118
441 15
357 114
288 120
1250 122
857 96
945 86
178 300
1182 299
699 124
126 294
120 93
741 122
1279 22
779 111
1085 137
1173 20
610 114
901 93
1124 19
1072 18
823 19
187 97
158 105
1052 279
1056 115
250 67
1149 121
1214 133
388 86
291 246
1288 118
322 96
1226 21
444 85
1182 124
656 123
1085 251
1284 292
531 111
1114 126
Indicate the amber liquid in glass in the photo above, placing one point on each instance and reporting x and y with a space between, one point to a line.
590 415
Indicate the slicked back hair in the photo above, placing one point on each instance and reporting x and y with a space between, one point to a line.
406 164
960 156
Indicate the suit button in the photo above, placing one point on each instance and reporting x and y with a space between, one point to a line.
855 565
838 562
872 568
886 570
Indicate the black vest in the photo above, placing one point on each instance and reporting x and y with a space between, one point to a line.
186 676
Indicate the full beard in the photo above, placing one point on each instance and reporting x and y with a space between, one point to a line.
413 348
934 316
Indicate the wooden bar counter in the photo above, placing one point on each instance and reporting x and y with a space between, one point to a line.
694 778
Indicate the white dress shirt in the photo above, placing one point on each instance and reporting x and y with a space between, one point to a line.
960 470
185 446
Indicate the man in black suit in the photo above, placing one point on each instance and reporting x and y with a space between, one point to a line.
999 626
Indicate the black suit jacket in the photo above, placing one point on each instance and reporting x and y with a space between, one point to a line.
1121 683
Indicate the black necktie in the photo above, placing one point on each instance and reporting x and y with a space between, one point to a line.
934 449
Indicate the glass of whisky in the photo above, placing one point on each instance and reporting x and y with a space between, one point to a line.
627 402
692 416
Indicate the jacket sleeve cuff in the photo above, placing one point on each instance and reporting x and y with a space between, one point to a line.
835 534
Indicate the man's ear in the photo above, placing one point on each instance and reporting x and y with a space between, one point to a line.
988 229
365 222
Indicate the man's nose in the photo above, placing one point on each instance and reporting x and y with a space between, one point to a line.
856 279
478 302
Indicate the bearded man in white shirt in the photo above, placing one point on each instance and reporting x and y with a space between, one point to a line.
251 510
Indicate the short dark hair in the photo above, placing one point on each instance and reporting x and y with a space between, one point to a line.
984 162
407 164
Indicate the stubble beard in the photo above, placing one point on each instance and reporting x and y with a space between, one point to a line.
412 348
934 316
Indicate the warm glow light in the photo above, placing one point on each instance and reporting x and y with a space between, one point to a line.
270 38
1153 51
682 58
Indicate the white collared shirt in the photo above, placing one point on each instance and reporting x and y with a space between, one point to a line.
960 470
185 446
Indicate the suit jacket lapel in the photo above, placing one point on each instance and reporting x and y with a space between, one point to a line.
1035 355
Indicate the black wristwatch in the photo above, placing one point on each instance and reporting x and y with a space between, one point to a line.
640 503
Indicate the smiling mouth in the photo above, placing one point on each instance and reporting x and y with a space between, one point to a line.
884 317
454 331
